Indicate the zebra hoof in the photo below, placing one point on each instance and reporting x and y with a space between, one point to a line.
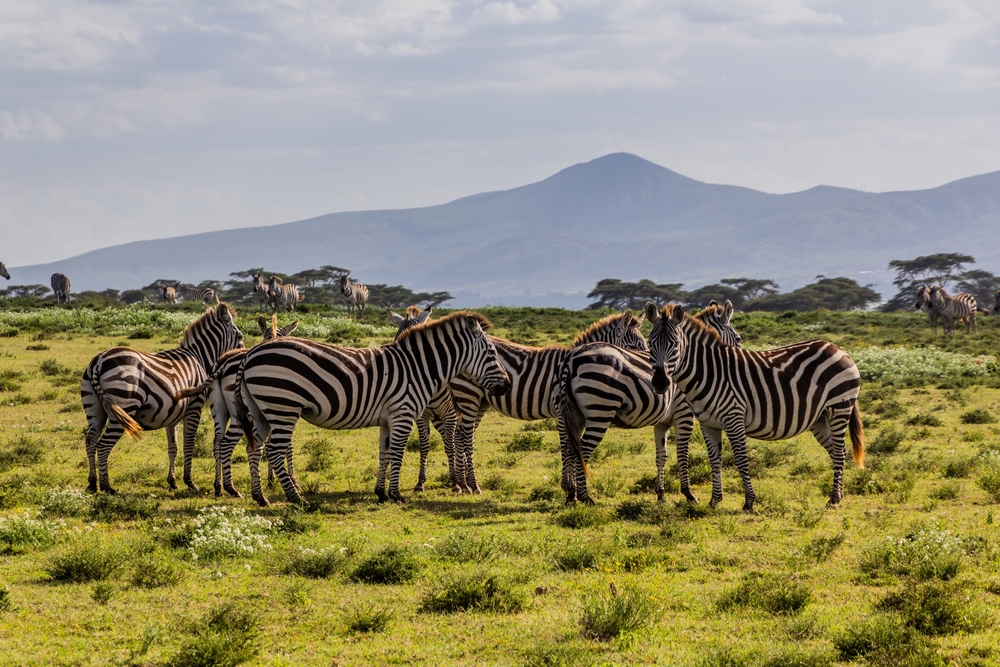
476 490
92 487
715 502
570 499
233 492
456 488
218 491
191 485
397 497
380 493
110 490
748 508
691 498
419 488
262 501
587 500
172 483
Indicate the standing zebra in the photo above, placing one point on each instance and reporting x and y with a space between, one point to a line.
533 373
924 301
169 294
191 293
602 385
61 285
279 295
332 387
221 387
128 391
958 307
260 289
356 295
440 411
3 271
770 395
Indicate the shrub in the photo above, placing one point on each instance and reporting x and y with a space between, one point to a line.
775 594
607 615
798 657
227 637
582 516
315 563
10 380
978 416
220 531
468 548
526 441
989 476
924 419
21 533
474 591
699 469
541 425
947 491
497 482
102 592
580 556
888 440
367 618
640 539
106 507
390 565
933 608
821 548
560 654
89 557
924 553
296 520
52 367
884 640
543 493
915 366
156 571
959 468
633 510
24 451
6 603
729 656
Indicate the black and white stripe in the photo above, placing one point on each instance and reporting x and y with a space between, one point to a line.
534 372
191 293
126 390
281 296
924 302
952 308
996 304
3 271
61 287
260 289
333 387
770 395
356 295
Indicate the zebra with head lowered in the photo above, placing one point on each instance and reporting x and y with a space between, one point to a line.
287 379
61 286
280 295
124 390
533 373
221 388
958 307
769 395
3 271
191 293
601 386
356 295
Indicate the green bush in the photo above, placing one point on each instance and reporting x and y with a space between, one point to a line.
924 419
501 484
633 510
526 441
775 594
315 563
541 425
582 516
699 468
989 475
560 654
544 493
887 441
106 507
474 591
367 618
885 640
468 548
390 565
821 548
607 615
580 556
924 553
89 557
933 608
978 416
227 637
947 491
51 367
798 657
959 468
102 592
23 451
20 533
10 380
6 603
156 571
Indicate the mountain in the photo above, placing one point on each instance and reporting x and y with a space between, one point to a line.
550 242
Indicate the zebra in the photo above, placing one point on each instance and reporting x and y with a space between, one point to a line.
996 305
440 411
533 372
279 295
924 300
61 285
221 388
958 307
601 385
286 379
206 295
169 294
769 395
356 295
260 289
3 271
127 391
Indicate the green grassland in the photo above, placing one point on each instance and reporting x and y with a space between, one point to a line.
905 572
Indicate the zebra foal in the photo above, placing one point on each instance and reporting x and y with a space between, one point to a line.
770 395
61 286
287 379
124 390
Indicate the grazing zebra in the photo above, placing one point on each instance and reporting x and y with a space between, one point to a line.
191 293
601 385
958 307
286 379
3 271
169 294
279 295
770 395
356 295
533 373
61 285
260 289
129 391
440 411
221 388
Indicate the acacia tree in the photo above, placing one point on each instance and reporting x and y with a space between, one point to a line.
938 269
830 293
981 284
617 294
738 290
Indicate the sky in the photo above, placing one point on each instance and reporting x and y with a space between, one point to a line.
122 120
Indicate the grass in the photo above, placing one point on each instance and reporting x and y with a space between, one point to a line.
227 637
608 614
367 618
315 563
389 565
89 557
769 592
477 590
932 608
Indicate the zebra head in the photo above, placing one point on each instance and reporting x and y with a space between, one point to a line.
666 342
923 297
271 329
3 271
481 364
935 296
345 283
413 317
621 330
273 283
719 318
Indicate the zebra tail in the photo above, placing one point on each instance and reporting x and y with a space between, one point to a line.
243 414
984 311
567 406
130 425
857 436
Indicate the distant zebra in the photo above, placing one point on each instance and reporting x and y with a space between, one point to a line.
127 391
260 289
958 307
356 295
191 293
61 285
286 379
279 295
3 271
221 388
924 301
533 372
440 411
996 305
768 395
169 294
601 386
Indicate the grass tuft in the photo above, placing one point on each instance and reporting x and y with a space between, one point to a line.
933 608
526 441
468 548
474 591
884 640
89 557
582 516
315 563
390 565
367 618
607 615
156 571
772 593
978 416
109 508
228 636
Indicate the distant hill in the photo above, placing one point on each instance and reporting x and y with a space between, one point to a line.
550 242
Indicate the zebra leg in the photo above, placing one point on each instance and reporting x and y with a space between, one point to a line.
830 430
256 492
471 484
569 461
447 426
192 417
97 419
399 433
171 455
424 430
383 463
660 440
291 468
683 420
112 434
738 439
277 452
593 434
225 460
713 442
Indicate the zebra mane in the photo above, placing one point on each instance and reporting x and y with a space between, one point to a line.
413 311
694 322
199 324
483 322
603 323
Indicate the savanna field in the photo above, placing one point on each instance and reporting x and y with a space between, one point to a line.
905 572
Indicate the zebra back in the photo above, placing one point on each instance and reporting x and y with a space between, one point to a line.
61 287
621 329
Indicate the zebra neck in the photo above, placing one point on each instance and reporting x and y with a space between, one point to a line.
700 344
437 355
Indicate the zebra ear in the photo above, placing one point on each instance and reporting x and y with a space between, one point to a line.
262 323
652 311
729 310
395 318
711 303
424 316
288 328
477 329
677 314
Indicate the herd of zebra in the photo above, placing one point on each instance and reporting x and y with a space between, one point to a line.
950 309
448 372
60 285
